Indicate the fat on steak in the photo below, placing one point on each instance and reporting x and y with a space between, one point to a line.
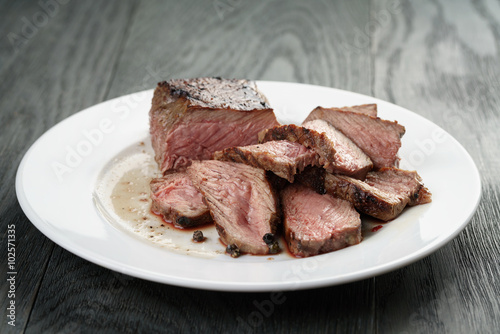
190 119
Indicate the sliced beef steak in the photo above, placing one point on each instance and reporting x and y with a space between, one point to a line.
349 158
191 119
383 195
402 182
241 201
283 158
367 109
176 199
312 139
337 153
316 224
379 139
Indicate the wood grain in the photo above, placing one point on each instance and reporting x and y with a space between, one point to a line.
438 59
280 40
441 61
51 78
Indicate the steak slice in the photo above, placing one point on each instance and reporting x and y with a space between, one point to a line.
316 224
379 139
383 195
336 152
283 158
400 181
241 201
191 119
176 199
312 139
367 109
349 158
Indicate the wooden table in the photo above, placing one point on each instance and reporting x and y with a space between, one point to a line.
439 59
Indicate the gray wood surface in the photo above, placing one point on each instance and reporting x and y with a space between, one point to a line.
439 59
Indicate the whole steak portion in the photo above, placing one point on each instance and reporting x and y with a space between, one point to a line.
241 202
317 224
176 199
191 119
379 139
283 158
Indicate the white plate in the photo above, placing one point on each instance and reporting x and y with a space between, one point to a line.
58 174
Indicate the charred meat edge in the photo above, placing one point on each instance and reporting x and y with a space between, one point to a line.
372 201
312 139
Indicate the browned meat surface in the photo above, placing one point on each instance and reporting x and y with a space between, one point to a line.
337 153
241 201
349 158
283 158
403 182
367 109
176 199
383 195
314 178
276 181
312 139
379 139
316 224
191 119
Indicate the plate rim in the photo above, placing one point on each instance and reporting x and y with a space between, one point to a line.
101 260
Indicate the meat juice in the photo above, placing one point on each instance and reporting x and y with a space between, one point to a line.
122 195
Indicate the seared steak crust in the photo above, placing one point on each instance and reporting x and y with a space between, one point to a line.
316 224
337 153
379 139
383 195
349 158
366 199
312 139
176 199
283 158
218 93
191 119
242 203
402 182
314 178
